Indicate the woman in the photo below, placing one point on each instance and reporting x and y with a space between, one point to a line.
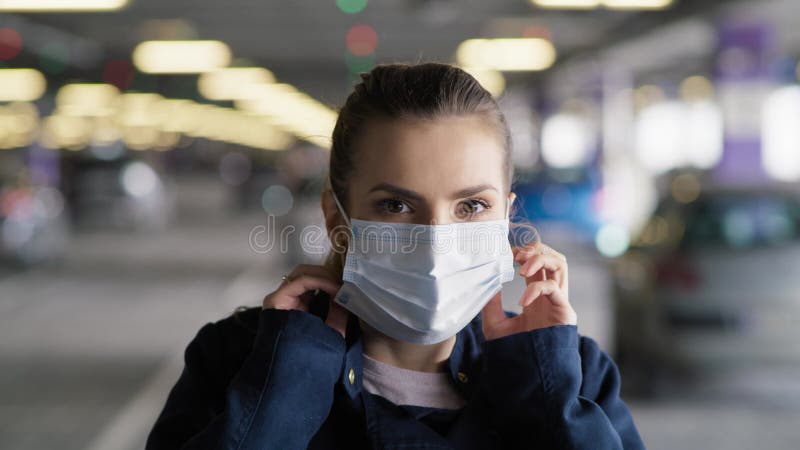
406 345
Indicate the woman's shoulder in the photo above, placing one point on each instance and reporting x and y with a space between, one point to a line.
593 357
601 377
221 346
239 326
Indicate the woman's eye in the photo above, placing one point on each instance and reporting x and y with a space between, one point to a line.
394 206
471 207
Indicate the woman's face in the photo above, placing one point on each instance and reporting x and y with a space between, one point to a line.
429 172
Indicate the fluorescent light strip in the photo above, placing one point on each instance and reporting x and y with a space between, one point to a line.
518 54
637 4
612 4
232 83
61 5
292 110
181 56
567 4
87 99
21 84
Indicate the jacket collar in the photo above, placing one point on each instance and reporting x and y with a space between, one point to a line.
463 364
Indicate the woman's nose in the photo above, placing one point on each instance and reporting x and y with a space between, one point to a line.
438 216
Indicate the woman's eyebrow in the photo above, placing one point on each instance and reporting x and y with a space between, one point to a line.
407 193
472 190
397 190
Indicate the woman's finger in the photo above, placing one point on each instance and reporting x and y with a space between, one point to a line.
278 301
556 268
533 248
548 288
310 269
288 295
304 283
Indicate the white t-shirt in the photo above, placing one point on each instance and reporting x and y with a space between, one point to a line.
410 387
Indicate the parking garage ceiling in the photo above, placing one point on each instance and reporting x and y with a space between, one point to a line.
303 41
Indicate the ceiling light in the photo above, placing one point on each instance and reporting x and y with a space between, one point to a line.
570 4
491 80
780 135
61 5
613 4
232 83
507 54
568 141
21 85
181 56
637 4
87 99
292 110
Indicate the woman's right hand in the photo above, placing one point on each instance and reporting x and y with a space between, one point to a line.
304 278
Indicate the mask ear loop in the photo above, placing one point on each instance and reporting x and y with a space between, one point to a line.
338 205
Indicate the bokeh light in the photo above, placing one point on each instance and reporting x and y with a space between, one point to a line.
21 84
568 141
507 54
277 199
181 56
696 87
491 80
233 83
139 179
358 64
362 40
118 72
351 6
739 228
537 31
54 57
10 43
685 188
612 240
234 168
675 134
780 134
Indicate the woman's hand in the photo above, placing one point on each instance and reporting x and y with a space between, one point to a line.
545 301
304 278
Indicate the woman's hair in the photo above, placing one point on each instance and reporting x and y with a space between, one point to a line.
401 91
424 91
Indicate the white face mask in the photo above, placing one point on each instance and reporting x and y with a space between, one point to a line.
423 283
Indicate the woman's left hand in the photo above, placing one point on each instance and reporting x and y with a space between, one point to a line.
545 301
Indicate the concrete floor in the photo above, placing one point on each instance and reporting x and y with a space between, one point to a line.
90 348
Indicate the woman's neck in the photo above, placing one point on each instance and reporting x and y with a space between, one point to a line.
419 357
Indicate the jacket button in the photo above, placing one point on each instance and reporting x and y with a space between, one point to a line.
462 377
351 376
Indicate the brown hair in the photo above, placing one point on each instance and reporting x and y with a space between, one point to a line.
401 91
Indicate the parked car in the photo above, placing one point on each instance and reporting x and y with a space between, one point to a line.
33 225
710 287
119 194
561 200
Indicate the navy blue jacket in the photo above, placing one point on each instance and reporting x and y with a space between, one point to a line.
280 379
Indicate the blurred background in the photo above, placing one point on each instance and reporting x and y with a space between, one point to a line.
149 151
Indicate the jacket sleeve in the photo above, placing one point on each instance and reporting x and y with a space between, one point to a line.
278 399
552 388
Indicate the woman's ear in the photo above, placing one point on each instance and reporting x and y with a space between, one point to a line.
329 211
511 197
336 228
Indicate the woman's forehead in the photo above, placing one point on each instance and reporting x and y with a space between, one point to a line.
448 153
